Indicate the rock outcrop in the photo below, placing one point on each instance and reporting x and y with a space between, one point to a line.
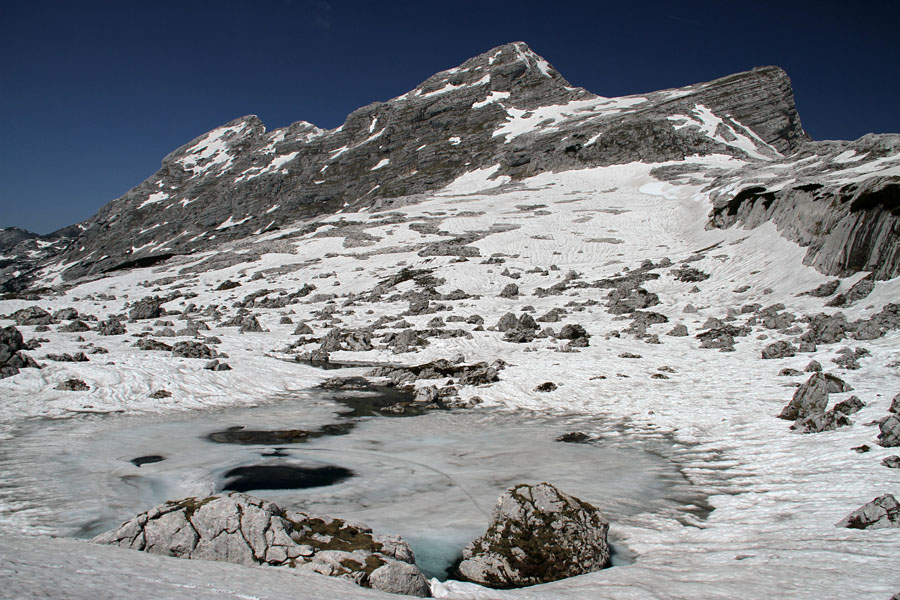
241 529
11 357
497 111
810 398
847 227
537 534
883 511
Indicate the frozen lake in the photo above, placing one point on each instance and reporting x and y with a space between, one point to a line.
432 478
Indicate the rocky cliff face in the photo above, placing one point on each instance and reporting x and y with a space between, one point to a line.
839 199
507 110
507 114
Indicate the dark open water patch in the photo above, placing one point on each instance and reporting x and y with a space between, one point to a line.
283 477
146 460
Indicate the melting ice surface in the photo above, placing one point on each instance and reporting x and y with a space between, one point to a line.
432 479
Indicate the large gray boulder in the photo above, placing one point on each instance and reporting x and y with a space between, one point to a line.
537 534
11 359
883 511
241 529
146 308
890 432
811 397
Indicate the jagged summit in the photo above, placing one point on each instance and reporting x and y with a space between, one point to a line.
507 111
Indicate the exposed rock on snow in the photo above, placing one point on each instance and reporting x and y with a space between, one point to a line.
146 308
11 357
883 511
890 431
810 398
537 534
241 529
779 349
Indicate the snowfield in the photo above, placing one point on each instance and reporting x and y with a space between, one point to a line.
775 495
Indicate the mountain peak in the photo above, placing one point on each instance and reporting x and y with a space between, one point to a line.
512 68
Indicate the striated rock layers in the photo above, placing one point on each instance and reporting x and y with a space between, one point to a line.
507 111
537 534
245 530
819 199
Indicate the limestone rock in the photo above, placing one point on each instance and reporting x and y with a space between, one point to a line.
241 529
11 357
510 290
890 432
891 462
895 405
883 511
811 397
146 308
780 349
537 534
33 315
400 578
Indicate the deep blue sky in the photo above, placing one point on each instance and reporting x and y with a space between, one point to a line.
94 94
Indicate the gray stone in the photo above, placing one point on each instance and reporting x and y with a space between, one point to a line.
679 330
11 357
813 367
780 349
241 529
397 577
810 398
146 308
33 315
192 349
507 322
537 534
849 406
73 385
882 512
891 462
510 290
895 405
821 421
890 432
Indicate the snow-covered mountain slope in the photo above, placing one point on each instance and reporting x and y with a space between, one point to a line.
678 315
507 108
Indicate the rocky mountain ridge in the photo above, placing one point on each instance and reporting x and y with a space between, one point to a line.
507 113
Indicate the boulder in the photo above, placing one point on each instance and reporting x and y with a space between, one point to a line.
33 315
883 511
821 421
192 349
811 397
111 326
11 357
510 290
849 406
891 462
679 330
895 405
890 432
537 534
146 308
241 529
780 349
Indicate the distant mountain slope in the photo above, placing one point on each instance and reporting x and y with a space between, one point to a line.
507 111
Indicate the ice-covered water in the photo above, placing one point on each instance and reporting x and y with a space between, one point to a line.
433 478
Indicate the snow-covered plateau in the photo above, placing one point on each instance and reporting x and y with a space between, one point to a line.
719 498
